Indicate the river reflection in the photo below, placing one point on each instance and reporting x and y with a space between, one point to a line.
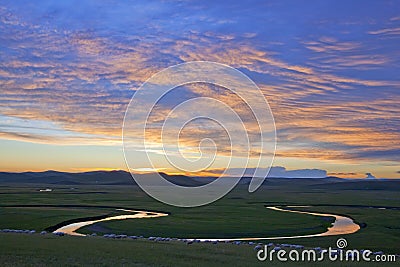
71 229
341 226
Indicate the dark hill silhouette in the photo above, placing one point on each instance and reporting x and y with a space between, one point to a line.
124 178
88 178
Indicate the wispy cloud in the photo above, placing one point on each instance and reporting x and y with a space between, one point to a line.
331 45
387 31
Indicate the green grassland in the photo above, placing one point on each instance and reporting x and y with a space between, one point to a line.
239 214
29 250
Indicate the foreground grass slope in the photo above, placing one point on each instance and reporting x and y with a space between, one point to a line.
35 250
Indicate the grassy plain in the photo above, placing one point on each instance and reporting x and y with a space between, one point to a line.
239 214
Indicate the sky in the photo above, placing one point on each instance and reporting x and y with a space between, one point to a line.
328 69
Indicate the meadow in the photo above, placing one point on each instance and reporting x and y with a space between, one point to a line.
375 205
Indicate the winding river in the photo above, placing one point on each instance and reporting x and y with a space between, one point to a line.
71 229
341 226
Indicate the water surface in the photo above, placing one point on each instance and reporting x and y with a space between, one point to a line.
71 229
341 226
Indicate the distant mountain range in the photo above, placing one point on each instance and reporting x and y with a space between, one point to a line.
125 178
88 178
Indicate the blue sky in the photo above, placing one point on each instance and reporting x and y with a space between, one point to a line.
329 70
